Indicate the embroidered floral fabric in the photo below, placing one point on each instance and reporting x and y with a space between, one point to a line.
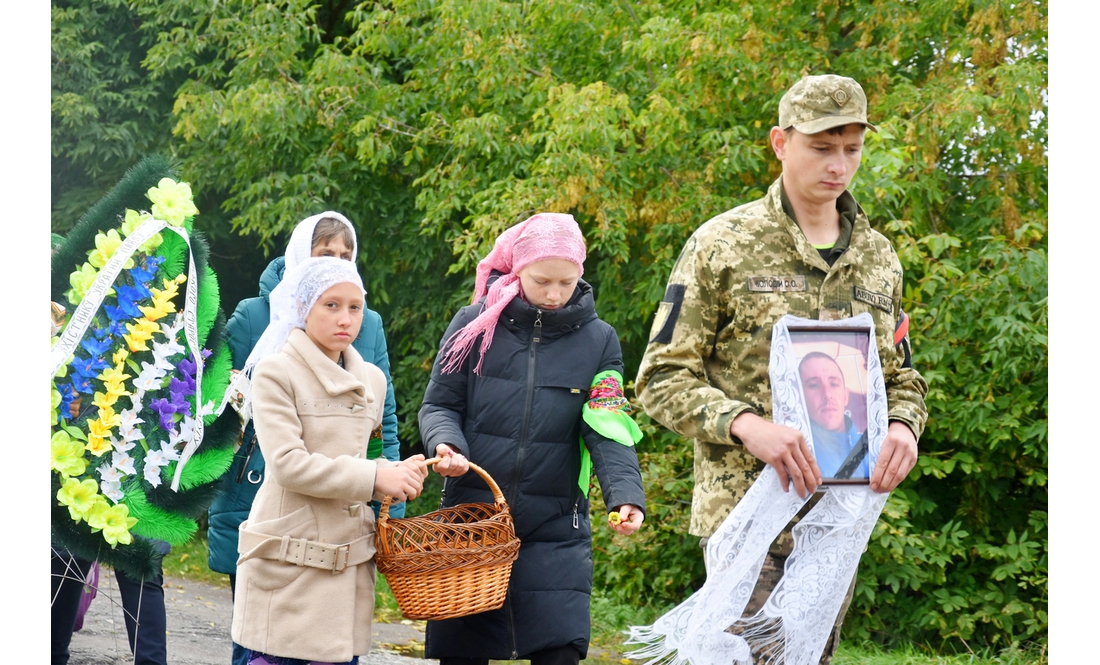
608 412
374 446
607 393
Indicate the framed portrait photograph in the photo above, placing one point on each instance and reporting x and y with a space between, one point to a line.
828 371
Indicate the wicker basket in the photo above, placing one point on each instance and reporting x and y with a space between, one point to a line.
451 562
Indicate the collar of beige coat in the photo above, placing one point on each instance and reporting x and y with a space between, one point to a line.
336 380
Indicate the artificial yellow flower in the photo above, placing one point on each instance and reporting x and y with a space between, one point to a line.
81 280
80 496
140 333
115 522
116 389
161 308
172 201
113 378
106 244
103 400
134 220
67 455
108 416
171 287
55 401
99 437
120 356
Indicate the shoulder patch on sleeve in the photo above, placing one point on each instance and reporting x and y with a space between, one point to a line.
901 341
667 314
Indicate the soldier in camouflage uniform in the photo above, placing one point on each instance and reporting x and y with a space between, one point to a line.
806 249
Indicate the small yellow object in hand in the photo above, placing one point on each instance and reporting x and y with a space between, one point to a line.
614 517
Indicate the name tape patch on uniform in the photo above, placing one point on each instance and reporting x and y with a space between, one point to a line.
667 313
769 284
879 300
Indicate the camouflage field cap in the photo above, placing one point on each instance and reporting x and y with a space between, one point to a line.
817 103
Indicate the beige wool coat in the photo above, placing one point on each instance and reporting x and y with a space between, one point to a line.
305 576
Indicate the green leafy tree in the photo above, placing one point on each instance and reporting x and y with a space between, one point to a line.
105 114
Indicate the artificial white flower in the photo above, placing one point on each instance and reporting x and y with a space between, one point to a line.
128 427
154 460
169 348
111 490
184 433
110 474
150 378
121 446
169 452
123 462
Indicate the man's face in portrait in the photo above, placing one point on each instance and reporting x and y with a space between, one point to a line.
825 390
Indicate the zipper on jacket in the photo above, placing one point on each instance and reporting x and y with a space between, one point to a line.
512 623
536 337
576 517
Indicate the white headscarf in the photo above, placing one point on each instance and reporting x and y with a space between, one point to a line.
300 246
295 296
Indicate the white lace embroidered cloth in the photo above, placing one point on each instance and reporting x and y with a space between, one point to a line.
794 624
291 301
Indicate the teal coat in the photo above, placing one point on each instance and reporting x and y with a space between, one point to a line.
248 322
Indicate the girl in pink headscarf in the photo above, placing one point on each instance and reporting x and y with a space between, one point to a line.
528 385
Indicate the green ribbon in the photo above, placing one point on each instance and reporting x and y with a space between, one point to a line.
613 424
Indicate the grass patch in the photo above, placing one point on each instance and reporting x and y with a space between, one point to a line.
869 654
189 561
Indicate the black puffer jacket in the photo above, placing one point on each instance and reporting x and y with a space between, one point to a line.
521 421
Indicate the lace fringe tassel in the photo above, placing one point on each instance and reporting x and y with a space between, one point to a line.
765 637
655 648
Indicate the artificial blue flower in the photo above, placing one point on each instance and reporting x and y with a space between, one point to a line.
117 328
179 402
165 410
82 384
128 298
68 394
141 276
89 368
96 347
187 366
185 387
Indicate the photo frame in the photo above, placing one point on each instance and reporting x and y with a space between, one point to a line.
827 383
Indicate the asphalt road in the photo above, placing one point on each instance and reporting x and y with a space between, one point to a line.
198 618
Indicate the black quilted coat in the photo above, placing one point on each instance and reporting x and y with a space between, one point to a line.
521 421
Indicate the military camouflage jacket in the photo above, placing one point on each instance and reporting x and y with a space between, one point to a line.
709 347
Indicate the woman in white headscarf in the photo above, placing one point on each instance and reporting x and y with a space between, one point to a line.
305 576
326 234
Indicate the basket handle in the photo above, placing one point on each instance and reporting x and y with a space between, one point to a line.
498 496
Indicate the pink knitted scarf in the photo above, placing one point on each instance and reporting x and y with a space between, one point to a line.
546 235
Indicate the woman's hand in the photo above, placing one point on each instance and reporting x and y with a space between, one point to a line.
416 462
630 519
451 463
401 481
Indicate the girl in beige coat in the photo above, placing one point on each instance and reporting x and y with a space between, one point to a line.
305 576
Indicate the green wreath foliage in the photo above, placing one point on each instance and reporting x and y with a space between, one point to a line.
142 505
